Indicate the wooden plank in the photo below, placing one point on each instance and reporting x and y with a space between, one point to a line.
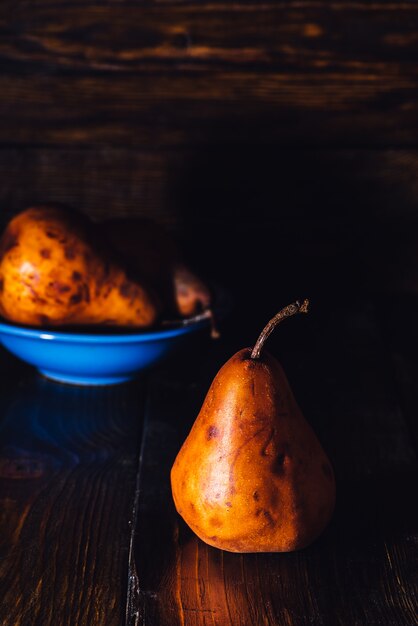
360 571
361 39
190 75
244 4
68 460
311 217
185 188
102 182
153 110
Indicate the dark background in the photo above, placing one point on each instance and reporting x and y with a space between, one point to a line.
277 141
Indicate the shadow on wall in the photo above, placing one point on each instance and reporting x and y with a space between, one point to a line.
275 224
270 222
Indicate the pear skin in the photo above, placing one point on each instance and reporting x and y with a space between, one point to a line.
55 272
191 293
252 475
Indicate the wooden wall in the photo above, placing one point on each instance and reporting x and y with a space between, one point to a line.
263 133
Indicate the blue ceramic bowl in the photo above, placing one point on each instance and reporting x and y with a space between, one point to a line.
85 358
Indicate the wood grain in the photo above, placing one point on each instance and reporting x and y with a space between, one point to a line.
184 187
311 217
343 74
360 571
279 141
182 110
189 37
65 520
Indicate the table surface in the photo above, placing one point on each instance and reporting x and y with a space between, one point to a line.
88 530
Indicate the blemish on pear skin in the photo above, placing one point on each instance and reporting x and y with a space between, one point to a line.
76 298
60 287
268 517
77 276
51 235
268 448
256 496
212 432
215 521
228 504
327 471
45 253
86 292
279 464
44 319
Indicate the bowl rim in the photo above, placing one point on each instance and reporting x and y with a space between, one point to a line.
117 336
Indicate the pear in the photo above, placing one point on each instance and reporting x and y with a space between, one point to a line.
251 475
154 255
56 271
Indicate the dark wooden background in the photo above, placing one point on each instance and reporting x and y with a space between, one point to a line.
262 134
279 142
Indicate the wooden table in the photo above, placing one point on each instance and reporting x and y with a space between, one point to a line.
88 531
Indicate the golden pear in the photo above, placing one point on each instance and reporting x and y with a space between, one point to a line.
54 271
252 475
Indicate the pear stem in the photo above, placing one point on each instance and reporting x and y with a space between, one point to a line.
288 311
